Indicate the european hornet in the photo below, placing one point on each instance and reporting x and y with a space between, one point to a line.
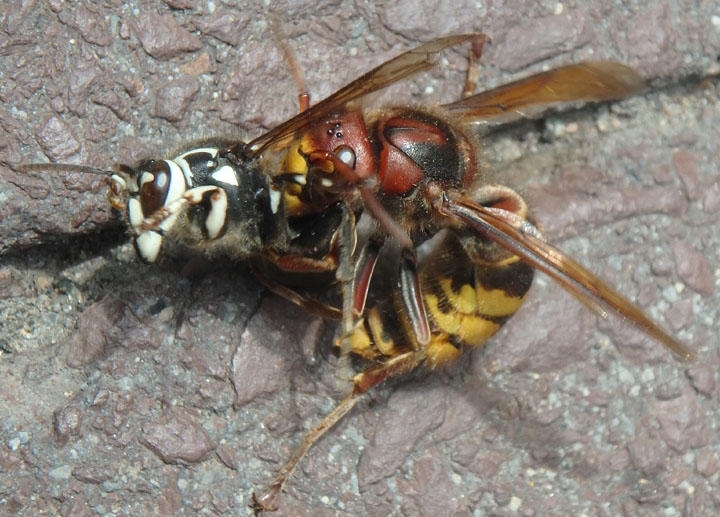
336 193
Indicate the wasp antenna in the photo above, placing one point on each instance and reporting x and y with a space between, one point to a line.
292 61
61 167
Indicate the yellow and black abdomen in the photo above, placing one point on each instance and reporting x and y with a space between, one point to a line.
467 301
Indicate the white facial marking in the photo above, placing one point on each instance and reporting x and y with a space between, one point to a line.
275 197
148 245
325 182
218 210
177 182
119 181
185 166
135 213
145 178
300 179
212 151
225 174
132 185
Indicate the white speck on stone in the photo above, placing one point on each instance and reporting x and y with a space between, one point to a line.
670 293
515 503
62 472
14 444
647 375
715 20
602 124
559 8
553 400
556 127
689 489
625 376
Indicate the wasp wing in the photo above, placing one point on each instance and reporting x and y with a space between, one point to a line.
400 67
522 239
588 81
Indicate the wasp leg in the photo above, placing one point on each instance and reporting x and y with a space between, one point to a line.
345 273
292 61
362 382
300 264
317 307
159 218
410 287
151 230
473 71
412 296
364 269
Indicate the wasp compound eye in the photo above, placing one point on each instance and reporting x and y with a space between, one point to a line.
154 208
160 183
154 185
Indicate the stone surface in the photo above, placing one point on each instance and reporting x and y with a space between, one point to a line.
177 440
683 422
693 269
174 98
163 37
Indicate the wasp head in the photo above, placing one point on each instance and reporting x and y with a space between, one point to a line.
205 196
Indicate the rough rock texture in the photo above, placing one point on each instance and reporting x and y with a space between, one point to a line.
127 389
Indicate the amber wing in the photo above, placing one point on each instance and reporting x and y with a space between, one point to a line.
584 285
588 81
